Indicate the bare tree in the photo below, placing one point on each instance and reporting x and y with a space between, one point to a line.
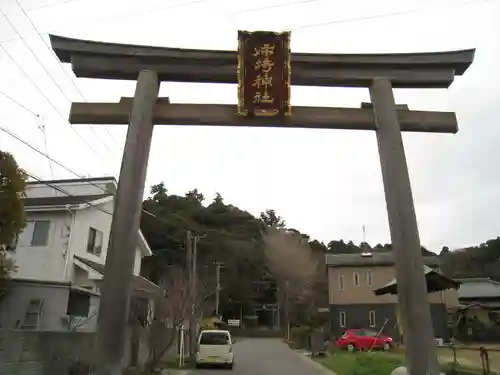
171 312
293 265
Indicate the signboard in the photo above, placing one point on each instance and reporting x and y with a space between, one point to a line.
264 73
233 322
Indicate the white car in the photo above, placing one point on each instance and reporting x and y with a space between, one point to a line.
215 347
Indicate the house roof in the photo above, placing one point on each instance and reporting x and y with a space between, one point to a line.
479 288
375 259
139 283
63 200
435 280
71 180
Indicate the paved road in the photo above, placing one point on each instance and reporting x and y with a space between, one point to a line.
264 357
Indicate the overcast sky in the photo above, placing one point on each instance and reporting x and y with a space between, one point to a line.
326 183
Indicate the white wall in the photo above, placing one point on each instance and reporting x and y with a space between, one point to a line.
47 262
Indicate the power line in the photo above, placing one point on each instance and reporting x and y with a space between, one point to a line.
273 6
43 66
384 15
60 65
19 104
19 66
58 163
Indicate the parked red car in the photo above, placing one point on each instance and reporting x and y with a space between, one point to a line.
363 339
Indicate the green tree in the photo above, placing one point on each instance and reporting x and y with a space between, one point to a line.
12 215
271 219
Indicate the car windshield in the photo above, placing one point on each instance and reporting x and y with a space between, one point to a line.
214 338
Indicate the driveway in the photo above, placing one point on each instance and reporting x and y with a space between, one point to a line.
264 357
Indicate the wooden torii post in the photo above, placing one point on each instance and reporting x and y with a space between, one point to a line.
378 72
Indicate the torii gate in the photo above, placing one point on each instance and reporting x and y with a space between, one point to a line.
378 72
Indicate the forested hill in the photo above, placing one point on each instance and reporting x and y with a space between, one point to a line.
233 235
476 261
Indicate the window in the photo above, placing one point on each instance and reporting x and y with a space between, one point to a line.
342 319
356 278
36 233
341 282
78 304
371 318
215 338
94 244
369 277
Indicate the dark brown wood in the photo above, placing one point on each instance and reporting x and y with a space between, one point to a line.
225 115
264 73
120 61
128 69
458 61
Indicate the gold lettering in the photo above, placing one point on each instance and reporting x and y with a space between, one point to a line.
266 50
263 81
260 98
265 65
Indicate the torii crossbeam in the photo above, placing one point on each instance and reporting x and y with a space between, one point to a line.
378 72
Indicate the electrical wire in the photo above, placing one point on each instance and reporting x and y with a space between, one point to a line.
19 104
58 163
62 68
47 99
43 66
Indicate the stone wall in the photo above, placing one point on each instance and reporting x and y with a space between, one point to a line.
43 353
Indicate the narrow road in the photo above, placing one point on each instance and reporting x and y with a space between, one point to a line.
263 357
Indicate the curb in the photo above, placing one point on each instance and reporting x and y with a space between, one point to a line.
305 358
174 372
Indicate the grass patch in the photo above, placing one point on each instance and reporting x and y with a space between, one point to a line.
189 363
362 363
382 363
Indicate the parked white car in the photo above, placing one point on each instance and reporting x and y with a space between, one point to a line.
215 347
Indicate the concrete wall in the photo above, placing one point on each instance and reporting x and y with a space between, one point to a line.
55 353
43 353
14 305
55 301
357 316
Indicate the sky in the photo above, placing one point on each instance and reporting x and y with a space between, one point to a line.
326 183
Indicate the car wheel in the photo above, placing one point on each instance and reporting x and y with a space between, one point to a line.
230 366
387 346
351 348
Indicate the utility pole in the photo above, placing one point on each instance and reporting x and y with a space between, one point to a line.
189 270
217 289
287 311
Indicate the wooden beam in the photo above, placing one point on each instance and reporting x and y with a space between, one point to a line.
129 68
458 61
225 115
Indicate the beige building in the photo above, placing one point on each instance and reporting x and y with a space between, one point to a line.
352 278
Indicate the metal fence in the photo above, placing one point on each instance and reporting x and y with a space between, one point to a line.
471 359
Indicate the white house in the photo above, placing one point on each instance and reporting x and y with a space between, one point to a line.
61 255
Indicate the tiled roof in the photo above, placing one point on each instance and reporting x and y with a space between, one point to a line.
139 283
375 259
479 288
63 200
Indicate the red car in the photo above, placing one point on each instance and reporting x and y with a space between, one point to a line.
363 339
